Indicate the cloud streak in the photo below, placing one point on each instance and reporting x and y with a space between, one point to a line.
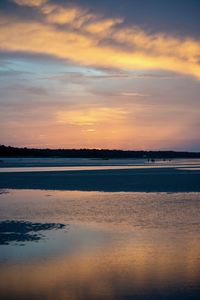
30 2
74 33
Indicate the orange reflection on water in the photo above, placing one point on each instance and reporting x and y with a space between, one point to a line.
124 267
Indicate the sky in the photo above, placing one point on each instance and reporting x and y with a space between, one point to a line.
108 74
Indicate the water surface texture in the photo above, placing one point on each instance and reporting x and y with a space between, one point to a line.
99 245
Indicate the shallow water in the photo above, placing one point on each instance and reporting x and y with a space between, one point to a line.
78 164
77 168
113 245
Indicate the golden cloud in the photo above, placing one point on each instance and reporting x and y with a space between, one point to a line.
30 2
83 38
90 117
130 94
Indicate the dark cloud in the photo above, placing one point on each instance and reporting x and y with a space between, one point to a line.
9 8
5 56
8 73
180 17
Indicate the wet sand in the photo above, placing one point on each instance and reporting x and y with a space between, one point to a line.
116 180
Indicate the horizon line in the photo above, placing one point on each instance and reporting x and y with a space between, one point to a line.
97 149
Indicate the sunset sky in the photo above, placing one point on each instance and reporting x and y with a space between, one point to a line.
121 74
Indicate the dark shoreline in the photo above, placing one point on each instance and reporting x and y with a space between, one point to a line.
17 152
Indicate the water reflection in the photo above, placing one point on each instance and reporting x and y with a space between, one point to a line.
24 231
124 269
125 246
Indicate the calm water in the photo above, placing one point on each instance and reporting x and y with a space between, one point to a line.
93 245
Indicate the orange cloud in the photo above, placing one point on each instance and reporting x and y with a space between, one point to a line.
30 2
73 15
89 117
103 26
83 39
131 94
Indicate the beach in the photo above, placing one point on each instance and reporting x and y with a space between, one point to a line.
87 229
154 180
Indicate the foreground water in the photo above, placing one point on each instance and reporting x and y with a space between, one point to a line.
96 245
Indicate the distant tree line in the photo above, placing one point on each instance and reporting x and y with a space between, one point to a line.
8 151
